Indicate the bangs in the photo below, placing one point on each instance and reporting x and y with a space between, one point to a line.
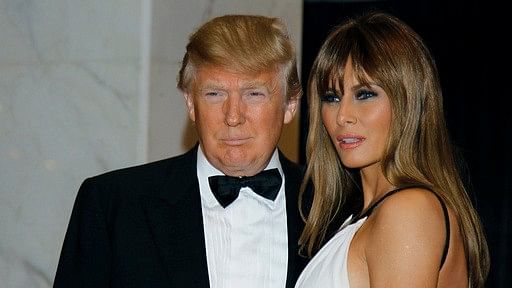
347 45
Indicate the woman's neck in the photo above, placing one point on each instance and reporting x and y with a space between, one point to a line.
374 184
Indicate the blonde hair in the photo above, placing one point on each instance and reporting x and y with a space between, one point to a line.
419 151
244 44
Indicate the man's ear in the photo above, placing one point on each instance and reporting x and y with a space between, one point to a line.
291 109
189 100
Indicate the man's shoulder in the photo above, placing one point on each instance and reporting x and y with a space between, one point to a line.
289 165
151 173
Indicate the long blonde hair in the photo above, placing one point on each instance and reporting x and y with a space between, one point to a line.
419 151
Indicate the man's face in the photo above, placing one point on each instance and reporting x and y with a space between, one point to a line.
238 117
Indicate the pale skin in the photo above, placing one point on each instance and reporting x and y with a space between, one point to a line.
401 243
239 117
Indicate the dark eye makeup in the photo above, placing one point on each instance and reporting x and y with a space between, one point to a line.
330 97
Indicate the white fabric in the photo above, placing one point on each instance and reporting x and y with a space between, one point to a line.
328 268
246 242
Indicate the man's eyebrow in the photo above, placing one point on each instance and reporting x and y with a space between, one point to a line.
251 84
212 85
244 84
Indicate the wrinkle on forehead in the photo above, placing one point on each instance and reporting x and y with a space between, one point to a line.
269 80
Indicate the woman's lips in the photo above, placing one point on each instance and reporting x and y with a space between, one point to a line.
350 141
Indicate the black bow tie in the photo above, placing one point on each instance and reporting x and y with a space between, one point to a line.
226 188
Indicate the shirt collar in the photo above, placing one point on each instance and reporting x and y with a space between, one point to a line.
205 169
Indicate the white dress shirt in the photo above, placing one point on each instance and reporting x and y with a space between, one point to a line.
246 242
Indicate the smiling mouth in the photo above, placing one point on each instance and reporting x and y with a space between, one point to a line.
350 142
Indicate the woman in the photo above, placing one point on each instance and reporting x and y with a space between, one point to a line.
377 129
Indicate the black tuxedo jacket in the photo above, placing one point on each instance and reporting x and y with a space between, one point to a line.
143 227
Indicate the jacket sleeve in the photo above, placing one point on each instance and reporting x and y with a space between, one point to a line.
85 256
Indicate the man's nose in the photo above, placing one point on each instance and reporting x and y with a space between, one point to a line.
233 111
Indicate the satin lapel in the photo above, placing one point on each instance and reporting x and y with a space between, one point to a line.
175 218
293 178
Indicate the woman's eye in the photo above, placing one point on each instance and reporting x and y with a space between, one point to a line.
330 97
365 94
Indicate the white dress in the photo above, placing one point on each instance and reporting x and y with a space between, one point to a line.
328 268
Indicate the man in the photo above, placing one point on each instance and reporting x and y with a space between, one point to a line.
162 224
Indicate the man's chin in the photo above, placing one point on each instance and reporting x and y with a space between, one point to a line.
240 167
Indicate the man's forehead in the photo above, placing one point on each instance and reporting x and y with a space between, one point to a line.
219 77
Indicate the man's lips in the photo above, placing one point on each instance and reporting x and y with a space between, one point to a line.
235 141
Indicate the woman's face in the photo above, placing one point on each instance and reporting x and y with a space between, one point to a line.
358 121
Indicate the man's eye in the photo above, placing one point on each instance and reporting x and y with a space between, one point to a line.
213 96
255 93
365 94
212 93
330 97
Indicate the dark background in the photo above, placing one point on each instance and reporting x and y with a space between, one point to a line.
468 41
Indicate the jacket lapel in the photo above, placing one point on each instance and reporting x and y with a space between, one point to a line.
293 177
175 218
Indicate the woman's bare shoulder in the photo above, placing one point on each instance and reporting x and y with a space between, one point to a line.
405 236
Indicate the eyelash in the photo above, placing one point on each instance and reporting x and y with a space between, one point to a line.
212 94
331 97
253 93
256 93
365 94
